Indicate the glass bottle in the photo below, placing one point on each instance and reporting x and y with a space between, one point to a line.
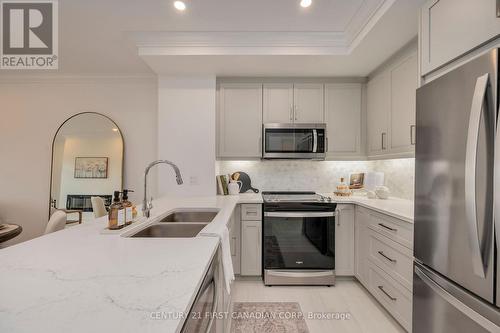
116 213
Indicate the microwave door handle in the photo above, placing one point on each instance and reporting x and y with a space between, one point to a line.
478 103
315 141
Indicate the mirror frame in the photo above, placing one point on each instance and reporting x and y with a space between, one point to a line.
54 141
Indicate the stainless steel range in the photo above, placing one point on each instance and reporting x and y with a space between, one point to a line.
299 239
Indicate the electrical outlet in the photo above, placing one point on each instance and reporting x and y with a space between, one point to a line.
193 180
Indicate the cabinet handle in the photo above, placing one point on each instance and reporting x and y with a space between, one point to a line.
296 113
337 216
387 294
386 227
383 141
412 133
386 257
291 112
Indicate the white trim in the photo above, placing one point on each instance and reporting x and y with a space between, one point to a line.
170 43
44 78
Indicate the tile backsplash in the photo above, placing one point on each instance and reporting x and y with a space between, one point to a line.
321 176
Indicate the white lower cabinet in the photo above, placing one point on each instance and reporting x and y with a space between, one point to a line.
384 261
344 236
393 296
361 223
251 241
235 240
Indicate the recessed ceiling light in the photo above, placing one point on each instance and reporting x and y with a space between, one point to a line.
305 3
115 129
179 5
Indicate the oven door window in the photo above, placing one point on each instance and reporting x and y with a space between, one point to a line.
289 140
299 243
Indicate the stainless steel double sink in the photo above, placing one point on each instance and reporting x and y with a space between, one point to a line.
178 224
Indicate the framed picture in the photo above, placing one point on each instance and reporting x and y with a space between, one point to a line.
91 167
356 181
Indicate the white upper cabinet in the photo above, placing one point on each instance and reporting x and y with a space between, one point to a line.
278 103
308 102
343 120
293 103
240 120
450 28
404 83
378 108
391 105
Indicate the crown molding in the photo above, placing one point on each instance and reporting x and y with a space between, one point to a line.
76 79
190 43
239 43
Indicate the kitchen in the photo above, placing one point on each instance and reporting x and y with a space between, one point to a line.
375 203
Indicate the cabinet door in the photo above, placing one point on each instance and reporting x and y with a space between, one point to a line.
404 82
240 120
251 248
451 28
378 108
309 103
235 239
343 120
278 103
361 237
344 241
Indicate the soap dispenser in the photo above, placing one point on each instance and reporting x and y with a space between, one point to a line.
129 208
116 213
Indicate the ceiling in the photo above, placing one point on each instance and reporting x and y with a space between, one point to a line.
336 37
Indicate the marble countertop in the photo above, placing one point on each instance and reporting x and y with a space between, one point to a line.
395 207
399 208
81 280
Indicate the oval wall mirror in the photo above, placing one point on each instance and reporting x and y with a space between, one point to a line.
87 161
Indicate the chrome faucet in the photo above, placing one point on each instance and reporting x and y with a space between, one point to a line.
147 205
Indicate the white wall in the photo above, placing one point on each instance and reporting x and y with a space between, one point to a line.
186 134
30 113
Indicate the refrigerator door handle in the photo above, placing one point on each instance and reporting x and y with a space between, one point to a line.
473 315
470 172
496 180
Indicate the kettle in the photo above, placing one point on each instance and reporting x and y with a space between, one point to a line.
234 187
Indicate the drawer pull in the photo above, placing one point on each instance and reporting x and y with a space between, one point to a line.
387 294
386 257
386 227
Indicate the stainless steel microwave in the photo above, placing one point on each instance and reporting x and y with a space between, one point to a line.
294 141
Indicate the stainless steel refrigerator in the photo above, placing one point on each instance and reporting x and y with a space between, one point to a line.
456 281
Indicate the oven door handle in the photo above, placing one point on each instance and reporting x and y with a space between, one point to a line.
299 214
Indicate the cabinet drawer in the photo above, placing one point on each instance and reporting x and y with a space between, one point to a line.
397 230
392 257
251 212
394 297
